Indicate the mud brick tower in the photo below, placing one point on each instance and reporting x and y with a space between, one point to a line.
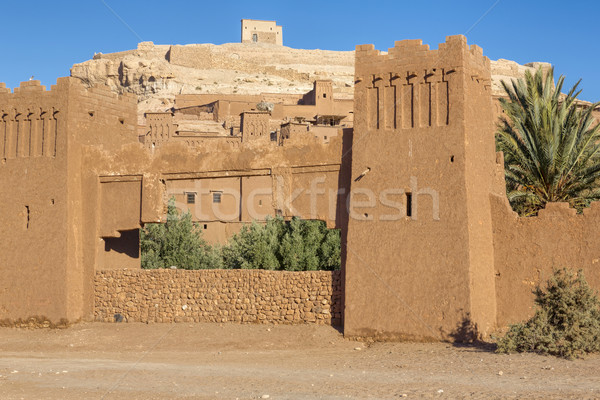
420 260
45 271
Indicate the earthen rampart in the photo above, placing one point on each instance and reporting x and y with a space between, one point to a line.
526 250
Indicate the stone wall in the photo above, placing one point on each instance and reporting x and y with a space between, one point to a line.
249 296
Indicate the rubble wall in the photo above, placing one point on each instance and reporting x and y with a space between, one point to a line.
245 296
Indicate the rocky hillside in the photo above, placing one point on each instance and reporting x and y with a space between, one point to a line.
156 73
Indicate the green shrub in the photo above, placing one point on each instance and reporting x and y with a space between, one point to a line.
297 245
178 242
566 322
254 247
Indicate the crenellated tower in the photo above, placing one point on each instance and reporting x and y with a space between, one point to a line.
48 273
419 242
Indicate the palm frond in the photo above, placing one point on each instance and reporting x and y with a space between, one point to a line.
551 146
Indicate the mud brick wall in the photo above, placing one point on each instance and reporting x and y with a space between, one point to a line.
245 296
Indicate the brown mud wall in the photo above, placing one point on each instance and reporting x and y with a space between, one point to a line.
527 249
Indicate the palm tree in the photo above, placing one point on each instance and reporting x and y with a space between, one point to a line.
551 146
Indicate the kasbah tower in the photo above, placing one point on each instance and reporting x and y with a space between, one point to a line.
422 140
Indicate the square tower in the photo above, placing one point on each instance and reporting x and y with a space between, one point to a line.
419 243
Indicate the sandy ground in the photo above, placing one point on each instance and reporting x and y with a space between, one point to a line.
212 361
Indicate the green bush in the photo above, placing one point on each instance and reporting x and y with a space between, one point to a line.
178 242
254 247
566 322
297 245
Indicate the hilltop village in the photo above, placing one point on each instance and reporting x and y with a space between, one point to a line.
396 149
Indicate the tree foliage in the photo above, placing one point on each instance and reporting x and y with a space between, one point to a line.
566 322
178 242
300 245
297 245
254 247
551 146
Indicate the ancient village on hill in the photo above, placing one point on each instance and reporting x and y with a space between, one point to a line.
393 150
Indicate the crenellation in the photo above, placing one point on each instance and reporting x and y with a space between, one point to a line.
557 210
593 210
364 47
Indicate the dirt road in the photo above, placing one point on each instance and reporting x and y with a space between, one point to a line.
212 361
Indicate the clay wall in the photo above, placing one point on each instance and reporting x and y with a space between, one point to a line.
200 113
227 108
103 206
429 245
188 100
197 141
265 175
237 197
208 199
244 296
282 98
295 111
324 133
527 249
292 129
344 107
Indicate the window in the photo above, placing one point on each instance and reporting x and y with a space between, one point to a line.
409 204
26 217
217 197
191 198
254 37
324 95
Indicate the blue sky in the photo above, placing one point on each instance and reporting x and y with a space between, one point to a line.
45 38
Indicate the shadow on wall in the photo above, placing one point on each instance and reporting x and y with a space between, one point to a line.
128 243
344 182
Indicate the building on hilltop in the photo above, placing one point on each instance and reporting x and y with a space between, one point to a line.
257 31
235 118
